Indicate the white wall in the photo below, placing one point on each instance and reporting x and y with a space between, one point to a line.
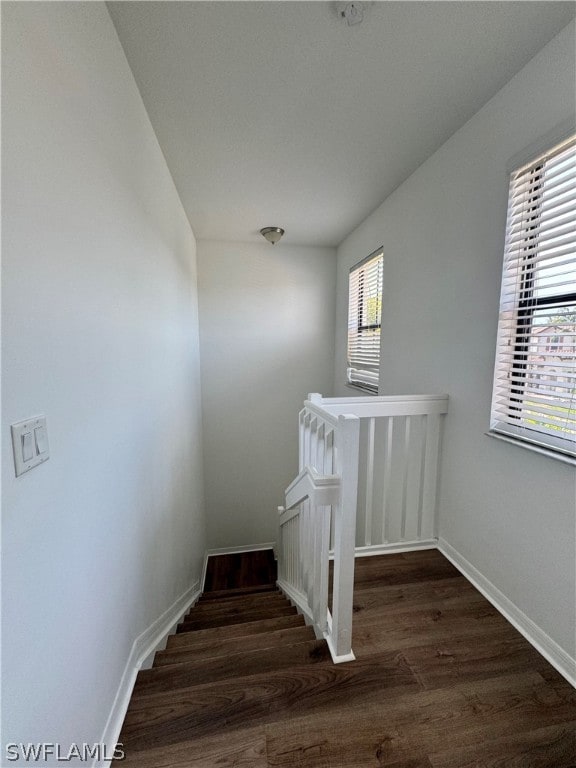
266 340
510 512
100 334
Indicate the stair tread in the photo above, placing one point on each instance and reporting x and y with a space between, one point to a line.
209 622
208 598
237 604
220 647
170 717
201 636
242 663
218 593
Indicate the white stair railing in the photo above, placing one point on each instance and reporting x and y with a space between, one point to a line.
367 485
323 496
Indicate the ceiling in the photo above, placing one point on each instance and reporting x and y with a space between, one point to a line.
280 114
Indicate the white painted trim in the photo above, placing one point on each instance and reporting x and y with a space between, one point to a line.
204 569
322 490
142 647
390 549
335 658
536 636
534 447
398 547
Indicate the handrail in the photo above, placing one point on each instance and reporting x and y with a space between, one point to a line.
330 408
322 490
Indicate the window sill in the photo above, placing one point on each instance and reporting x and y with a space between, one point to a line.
359 388
550 452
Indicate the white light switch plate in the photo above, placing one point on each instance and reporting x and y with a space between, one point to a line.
30 443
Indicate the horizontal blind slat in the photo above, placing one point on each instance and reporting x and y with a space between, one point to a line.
364 318
535 369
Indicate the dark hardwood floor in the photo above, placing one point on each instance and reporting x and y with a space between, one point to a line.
441 680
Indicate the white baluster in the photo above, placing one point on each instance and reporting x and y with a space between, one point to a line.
369 482
423 448
405 468
313 442
297 550
290 553
307 548
387 481
320 441
324 565
307 437
301 438
329 453
315 570
280 550
435 471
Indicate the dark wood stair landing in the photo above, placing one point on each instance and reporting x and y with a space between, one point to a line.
241 571
441 681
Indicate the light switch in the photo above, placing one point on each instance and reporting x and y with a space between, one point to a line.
30 444
41 440
28 447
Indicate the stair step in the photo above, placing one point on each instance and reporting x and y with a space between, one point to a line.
158 719
225 597
224 620
202 636
237 605
219 593
222 647
189 674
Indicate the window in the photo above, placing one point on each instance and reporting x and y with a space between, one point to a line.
534 396
364 320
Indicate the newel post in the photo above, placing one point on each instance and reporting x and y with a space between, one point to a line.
348 438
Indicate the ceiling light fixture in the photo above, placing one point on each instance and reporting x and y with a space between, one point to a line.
353 13
272 234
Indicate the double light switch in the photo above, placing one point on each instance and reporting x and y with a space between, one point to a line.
30 443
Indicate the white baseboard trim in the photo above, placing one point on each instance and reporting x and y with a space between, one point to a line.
142 647
536 636
399 547
335 658
233 551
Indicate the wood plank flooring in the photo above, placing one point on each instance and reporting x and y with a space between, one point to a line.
441 681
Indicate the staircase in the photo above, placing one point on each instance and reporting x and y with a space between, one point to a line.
225 668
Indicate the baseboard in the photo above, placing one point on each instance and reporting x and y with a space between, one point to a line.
536 636
335 658
142 647
232 551
399 547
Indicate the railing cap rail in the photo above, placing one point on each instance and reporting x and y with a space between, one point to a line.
329 408
309 484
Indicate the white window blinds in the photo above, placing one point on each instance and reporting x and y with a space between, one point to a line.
364 319
534 396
